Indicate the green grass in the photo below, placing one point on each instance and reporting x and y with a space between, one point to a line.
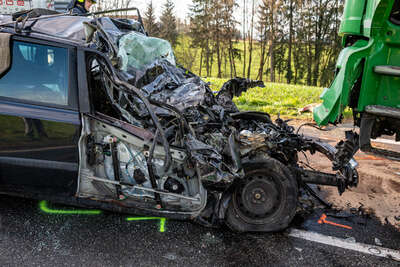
277 98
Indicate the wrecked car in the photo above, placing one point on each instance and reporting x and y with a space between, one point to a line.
95 113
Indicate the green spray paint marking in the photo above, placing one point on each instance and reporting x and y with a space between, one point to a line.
43 207
162 221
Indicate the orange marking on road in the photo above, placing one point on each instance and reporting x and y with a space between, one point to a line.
323 220
367 157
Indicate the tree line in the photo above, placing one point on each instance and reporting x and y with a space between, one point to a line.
291 41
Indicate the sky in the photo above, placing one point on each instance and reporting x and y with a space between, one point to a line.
181 6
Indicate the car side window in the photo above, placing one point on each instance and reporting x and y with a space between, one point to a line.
38 73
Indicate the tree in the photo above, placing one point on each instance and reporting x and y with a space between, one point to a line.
244 23
299 36
149 20
253 11
230 34
168 29
200 32
112 4
297 39
321 24
290 14
271 21
226 29
333 45
216 32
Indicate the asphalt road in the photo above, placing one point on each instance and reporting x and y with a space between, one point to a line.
31 235
36 233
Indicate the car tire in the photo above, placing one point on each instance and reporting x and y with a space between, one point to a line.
265 200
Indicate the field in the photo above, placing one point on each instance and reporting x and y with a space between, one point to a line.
190 58
275 98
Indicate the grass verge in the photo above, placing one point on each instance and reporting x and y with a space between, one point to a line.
275 98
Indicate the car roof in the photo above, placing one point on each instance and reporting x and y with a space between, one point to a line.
65 29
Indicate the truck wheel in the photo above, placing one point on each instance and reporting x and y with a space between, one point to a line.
266 199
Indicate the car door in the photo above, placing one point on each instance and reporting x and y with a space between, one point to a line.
39 120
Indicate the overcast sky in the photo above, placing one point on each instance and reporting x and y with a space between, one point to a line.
181 6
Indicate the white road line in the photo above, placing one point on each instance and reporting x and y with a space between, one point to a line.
385 141
342 243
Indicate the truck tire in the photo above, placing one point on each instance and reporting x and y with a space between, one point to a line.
266 199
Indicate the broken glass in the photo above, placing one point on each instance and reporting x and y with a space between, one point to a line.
138 50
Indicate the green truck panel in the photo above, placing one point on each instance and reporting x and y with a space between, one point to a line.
352 17
374 58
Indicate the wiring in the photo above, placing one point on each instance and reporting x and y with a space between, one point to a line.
312 125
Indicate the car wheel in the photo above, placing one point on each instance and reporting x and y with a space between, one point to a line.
265 200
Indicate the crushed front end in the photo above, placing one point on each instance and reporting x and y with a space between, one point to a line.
161 141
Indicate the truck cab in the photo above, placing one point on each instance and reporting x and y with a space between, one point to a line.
367 77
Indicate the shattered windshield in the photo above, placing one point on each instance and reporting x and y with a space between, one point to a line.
138 50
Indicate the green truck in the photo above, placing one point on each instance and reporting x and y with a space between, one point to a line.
367 75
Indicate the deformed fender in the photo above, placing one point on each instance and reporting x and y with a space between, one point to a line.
349 68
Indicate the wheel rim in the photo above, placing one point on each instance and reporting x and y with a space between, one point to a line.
258 198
